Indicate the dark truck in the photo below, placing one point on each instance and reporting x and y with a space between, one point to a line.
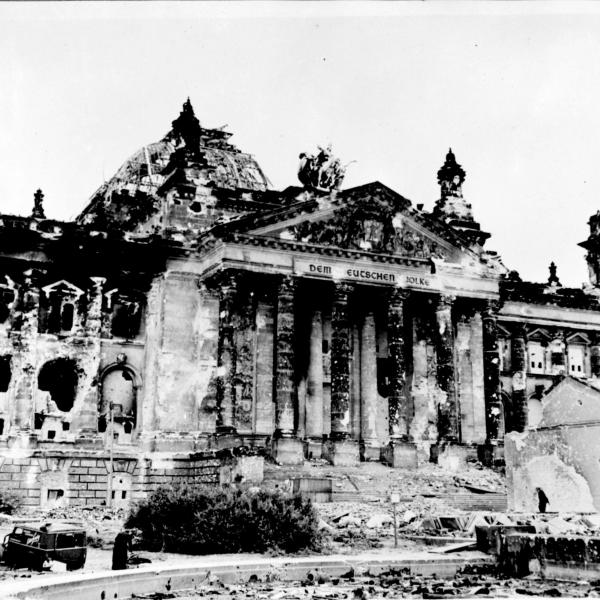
29 546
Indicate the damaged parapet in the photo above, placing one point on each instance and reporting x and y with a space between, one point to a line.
561 456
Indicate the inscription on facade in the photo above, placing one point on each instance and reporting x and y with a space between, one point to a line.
365 273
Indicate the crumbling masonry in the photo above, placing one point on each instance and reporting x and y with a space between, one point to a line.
190 310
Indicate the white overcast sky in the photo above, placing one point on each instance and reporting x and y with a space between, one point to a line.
514 88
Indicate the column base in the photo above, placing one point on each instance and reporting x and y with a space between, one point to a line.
490 453
370 452
400 455
451 456
313 448
342 453
224 440
287 451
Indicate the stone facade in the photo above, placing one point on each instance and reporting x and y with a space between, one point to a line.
190 311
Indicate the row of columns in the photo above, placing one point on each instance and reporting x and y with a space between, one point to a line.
285 389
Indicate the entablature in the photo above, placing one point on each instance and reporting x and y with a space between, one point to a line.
337 265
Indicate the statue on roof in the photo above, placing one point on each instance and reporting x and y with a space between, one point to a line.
38 207
187 128
322 171
553 279
451 176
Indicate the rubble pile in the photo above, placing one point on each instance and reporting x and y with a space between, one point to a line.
353 585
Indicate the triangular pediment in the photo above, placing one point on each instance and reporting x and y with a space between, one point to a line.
371 218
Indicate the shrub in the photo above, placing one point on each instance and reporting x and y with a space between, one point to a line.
217 520
9 502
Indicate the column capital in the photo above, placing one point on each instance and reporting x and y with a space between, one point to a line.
288 282
445 301
398 295
342 290
519 330
491 308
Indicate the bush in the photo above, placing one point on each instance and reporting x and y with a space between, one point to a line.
217 520
9 502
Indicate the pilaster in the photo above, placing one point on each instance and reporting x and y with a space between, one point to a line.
491 371
368 389
88 415
519 378
314 387
448 421
226 356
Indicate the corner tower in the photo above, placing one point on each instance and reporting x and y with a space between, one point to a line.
451 207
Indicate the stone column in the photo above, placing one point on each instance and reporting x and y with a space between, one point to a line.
448 421
226 356
314 388
491 372
399 453
341 450
287 449
368 389
518 362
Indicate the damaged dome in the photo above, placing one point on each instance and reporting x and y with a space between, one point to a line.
189 158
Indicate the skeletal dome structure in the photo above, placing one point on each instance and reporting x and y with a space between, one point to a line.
185 168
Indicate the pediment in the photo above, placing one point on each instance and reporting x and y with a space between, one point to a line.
370 218
63 287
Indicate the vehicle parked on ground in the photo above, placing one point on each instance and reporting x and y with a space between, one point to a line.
35 547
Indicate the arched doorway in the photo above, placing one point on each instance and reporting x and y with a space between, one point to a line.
119 383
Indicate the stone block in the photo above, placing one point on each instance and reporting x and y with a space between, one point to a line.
313 448
243 469
287 451
369 452
342 453
453 457
399 454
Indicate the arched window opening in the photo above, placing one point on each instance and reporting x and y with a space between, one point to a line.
118 392
5 373
59 378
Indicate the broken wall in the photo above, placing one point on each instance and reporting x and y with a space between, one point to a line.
562 461
181 361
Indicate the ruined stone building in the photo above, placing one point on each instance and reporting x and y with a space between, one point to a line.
190 309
